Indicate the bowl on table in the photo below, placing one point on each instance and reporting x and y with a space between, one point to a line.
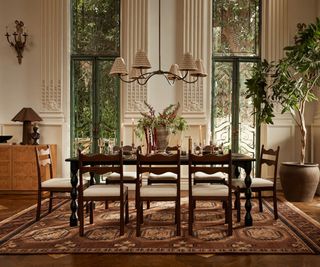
5 138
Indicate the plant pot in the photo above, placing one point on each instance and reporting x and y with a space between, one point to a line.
162 139
299 181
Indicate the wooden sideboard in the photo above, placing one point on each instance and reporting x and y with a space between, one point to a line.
18 167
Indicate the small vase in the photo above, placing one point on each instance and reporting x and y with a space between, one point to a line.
162 138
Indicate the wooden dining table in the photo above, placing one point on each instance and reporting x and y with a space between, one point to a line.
238 160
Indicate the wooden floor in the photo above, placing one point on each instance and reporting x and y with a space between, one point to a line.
10 204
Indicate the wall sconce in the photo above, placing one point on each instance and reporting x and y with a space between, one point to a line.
19 39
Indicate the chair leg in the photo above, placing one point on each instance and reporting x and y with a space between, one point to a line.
229 214
275 205
191 206
148 204
138 232
238 205
226 209
127 210
260 201
121 217
39 205
106 205
178 218
50 202
81 219
91 212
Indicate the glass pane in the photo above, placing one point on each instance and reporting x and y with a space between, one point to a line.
222 98
96 27
247 127
82 105
236 27
108 102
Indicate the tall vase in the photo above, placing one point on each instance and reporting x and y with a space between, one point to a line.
162 138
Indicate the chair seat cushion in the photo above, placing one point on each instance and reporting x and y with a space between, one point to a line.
167 176
102 190
213 190
158 190
256 182
57 182
211 177
127 176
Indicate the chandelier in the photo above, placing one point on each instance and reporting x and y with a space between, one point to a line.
188 71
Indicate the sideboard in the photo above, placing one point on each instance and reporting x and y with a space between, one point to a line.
18 168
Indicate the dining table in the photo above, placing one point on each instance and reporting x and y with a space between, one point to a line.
238 161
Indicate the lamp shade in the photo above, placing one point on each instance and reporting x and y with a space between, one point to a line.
174 70
27 115
141 61
200 72
188 63
118 67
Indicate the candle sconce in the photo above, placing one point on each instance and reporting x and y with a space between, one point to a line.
19 39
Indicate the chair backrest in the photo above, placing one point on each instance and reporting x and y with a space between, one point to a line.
99 164
159 163
210 164
269 157
44 163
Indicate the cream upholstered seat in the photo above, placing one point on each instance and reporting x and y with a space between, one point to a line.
158 164
210 165
267 157
52 185
101 164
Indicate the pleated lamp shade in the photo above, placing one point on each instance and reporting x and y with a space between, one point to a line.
118 67
200 72
141 61
27 115
174 69
134 73
188 63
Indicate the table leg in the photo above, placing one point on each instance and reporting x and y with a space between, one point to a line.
74 194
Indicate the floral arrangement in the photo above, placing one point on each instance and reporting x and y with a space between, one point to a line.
168 119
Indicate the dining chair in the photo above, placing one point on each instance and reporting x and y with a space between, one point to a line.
268 157
204 178
46 181
158 163
129 177
164 178
210 164
100 164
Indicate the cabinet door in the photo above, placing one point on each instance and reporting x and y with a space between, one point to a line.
5 167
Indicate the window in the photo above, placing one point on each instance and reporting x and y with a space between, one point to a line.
95 97
236 47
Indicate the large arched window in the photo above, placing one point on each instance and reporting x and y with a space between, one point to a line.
236 48
95 103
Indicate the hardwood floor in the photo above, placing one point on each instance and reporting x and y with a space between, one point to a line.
11 204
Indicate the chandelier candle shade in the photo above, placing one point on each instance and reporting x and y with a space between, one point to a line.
188 71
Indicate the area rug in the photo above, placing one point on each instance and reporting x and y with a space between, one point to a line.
293 233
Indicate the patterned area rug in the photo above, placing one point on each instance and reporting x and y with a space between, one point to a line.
293 233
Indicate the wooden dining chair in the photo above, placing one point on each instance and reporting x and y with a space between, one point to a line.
129 177
46 181
210 164
100 164
268 157
158 163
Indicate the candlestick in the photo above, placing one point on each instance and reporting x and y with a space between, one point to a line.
190 144
200 135
121 134
132 132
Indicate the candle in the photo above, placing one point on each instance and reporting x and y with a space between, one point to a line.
200 135
121 134
190 144
132 132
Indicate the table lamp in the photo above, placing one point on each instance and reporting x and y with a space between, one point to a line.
27 115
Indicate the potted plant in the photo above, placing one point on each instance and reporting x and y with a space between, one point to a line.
291 84
156 128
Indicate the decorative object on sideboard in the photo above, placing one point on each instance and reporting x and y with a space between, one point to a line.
191 68
27 115
19 39
5 138
35 135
